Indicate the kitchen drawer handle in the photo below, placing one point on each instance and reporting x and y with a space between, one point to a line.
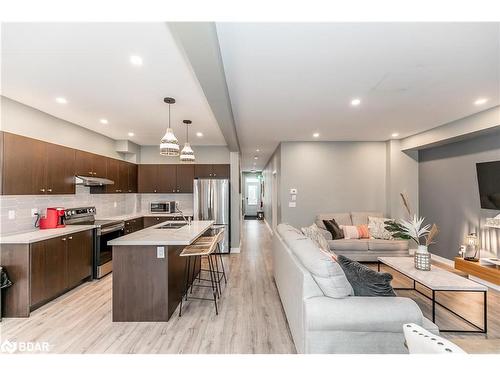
90 173
49 190
63 239
70 237
42 190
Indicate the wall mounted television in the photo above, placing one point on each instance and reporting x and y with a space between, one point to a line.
488 178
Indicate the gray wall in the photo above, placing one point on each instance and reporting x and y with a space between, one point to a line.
332 177
203 155
448 193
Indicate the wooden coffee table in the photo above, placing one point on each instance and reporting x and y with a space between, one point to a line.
438 280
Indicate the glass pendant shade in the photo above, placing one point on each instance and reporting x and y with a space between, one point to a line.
169 145
187 154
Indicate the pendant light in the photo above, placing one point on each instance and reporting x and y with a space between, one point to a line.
169 145
187 153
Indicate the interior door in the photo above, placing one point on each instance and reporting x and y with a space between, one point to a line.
252 196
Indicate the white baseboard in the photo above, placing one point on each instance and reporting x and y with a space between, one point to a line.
268 226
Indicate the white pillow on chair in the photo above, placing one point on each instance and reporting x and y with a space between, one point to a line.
421 341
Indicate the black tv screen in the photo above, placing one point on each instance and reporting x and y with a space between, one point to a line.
488 178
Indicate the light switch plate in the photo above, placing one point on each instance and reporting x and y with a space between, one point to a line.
293 197
292 204
293 191
12 214
160 252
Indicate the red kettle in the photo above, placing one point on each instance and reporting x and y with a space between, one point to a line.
53 218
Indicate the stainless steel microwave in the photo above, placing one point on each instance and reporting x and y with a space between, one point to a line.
163 207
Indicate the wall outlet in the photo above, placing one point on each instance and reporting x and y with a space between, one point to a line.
160 252
12 214
115 204
293 197
292 204
34 212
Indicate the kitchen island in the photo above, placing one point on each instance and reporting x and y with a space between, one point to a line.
148 271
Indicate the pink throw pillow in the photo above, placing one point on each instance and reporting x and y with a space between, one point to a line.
350 232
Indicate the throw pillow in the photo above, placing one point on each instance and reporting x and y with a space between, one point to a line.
350 232
332 227
364 280
376 227
363 231
324 270
315 235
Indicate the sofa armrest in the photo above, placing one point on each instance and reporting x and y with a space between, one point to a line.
361 314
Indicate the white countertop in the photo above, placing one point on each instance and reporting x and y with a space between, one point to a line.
154 236
42 234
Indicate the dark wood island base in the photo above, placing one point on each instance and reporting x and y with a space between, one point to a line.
146 288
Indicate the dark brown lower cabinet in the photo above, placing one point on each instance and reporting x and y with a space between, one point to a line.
49 270
43 270
153 220
134 225
79 257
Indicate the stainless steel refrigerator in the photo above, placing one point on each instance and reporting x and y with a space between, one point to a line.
211 202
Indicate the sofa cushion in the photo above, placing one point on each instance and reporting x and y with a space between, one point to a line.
325 233
340 218
365 281
325 271
359 218
390 245
357 245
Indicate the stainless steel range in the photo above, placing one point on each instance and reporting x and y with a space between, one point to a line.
106 230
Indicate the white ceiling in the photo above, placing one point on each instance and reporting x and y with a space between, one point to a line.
88 64
287 81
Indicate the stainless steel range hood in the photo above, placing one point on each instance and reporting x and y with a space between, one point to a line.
92 181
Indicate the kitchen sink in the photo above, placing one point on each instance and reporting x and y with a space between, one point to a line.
172 225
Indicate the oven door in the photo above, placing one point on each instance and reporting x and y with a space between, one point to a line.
104 253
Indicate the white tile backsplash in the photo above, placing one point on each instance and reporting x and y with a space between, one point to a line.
107 205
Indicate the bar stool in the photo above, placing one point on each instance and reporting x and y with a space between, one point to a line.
199 249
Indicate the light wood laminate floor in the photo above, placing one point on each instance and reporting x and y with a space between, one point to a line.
250 320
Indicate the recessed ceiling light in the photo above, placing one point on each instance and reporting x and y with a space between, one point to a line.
130 134
316 135
355 102
199 134
103 121
255 157
61 100
136 60
394 135
257 150
480 101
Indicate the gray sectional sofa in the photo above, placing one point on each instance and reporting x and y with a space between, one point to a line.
362 250
321 324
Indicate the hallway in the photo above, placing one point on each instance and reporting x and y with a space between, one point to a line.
250 320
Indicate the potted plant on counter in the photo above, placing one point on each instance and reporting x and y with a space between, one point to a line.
415 230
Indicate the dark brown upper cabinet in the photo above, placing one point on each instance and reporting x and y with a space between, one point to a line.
32 167
203 170
147 178
184 178
212 170
167 178
90 165
132 178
